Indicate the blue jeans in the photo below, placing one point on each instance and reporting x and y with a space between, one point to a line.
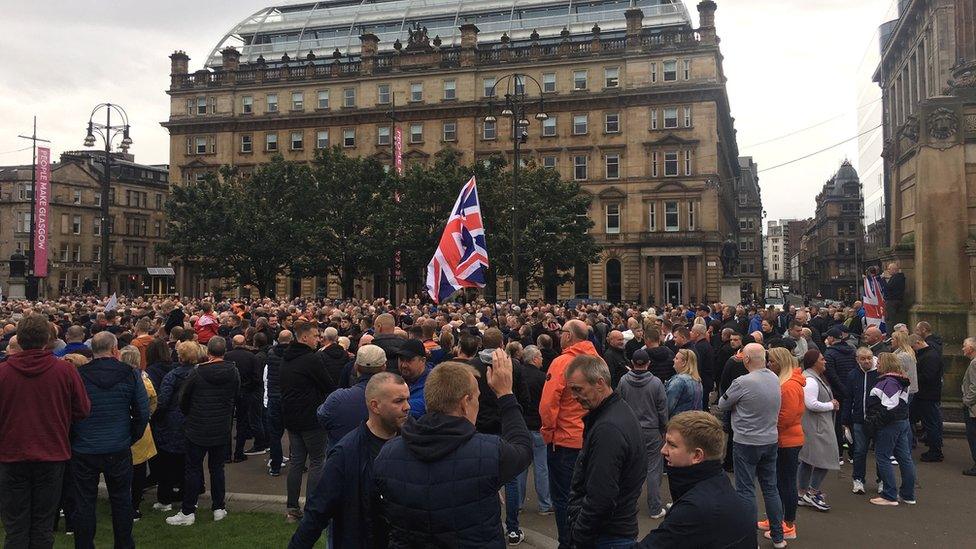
930 414
787 461
514 493
561 463
613 543
861 442
892 440
275 432
540 473
117 468
752 462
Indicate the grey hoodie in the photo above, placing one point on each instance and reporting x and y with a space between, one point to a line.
645 394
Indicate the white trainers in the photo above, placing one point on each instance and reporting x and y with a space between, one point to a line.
660 514
858 487
220 514
165 508
179 519
880 486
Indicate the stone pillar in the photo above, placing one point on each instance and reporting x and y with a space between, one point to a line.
370 45
658 283
635 20
706 21
230 62
469 45
179 67
644 286
684 279
701 278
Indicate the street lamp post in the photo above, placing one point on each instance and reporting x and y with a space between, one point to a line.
108 133
516 106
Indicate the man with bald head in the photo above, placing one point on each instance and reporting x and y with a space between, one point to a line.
386 338
74 338
562 422
754 402
616 357
244 357
272 401
874 339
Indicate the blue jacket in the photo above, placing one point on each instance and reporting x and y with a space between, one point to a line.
841 360
418 406
119 411
345 495
168 420
75 347
343 410
684 394
859 385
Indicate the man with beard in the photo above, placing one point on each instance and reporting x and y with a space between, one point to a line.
345 494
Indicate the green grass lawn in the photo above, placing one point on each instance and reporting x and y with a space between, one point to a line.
238 530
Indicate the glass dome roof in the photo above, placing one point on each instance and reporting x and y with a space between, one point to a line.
322 27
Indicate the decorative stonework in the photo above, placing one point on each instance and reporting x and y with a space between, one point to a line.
910 130
963 77
942 125
970 124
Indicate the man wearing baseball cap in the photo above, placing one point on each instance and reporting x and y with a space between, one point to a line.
412 361
345 409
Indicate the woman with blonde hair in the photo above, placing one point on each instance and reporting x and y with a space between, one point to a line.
790 427
887 418
685 388
901 347
145 447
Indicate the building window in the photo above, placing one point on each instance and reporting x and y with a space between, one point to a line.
349 137
76 256
271 142
96 253
579 167
247 104
687 162
549 161
519 84
76 224
670 216
383 94
97 227
349 97
297 141
24 222
297 101
613 218
611 77
450 90
489 130
653 119
382 135
26 192
670 164
687 69
579 124
579 80
416 133
417 91
247 144
671 117
489 85
322 139
272 101
670 71
652 217
613 166
549 82
76 197
323 99
549 126
64 251
654 165
687 117
200 145
450 131
612 122
201 105
158 229
691 215
653 73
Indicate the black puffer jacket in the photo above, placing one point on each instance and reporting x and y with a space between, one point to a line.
929 361
207 402
841 360
248 367
609 474
662 363
390 344
335 359
275 360
305 383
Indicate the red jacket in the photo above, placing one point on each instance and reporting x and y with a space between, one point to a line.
206 327
40 397
561 414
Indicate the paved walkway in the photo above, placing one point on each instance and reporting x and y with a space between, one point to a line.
943 516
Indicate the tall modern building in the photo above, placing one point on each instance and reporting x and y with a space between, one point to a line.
778 251
635 96
750 214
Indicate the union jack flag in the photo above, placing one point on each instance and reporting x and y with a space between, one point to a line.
874 302
461 258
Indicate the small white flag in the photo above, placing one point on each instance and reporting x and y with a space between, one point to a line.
113 303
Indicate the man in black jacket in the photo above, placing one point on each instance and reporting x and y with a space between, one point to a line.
706 358
662 359
610 471
928 400
615 357
243 357
384 338
305 383
706 511
272 401
334 356
207 402
489 420
893 284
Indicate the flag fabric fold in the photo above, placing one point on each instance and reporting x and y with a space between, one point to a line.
874 302
461 258
113 303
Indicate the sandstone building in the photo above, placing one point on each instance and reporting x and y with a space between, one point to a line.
636 98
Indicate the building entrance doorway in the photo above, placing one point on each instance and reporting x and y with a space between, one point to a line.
672 291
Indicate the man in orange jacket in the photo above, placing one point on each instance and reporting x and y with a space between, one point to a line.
562 422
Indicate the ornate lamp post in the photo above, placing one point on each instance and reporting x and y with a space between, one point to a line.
108 133
516 106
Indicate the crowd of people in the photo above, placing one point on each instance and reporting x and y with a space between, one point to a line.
404 423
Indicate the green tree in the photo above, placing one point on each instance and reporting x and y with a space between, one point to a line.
249 229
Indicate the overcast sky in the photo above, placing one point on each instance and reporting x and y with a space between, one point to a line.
791 64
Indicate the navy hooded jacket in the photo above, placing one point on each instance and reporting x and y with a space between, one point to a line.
119 408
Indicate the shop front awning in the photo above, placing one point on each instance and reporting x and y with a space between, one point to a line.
161 271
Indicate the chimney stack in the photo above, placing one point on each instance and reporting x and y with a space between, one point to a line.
706 21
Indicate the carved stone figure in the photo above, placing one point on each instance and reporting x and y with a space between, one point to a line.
730 256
